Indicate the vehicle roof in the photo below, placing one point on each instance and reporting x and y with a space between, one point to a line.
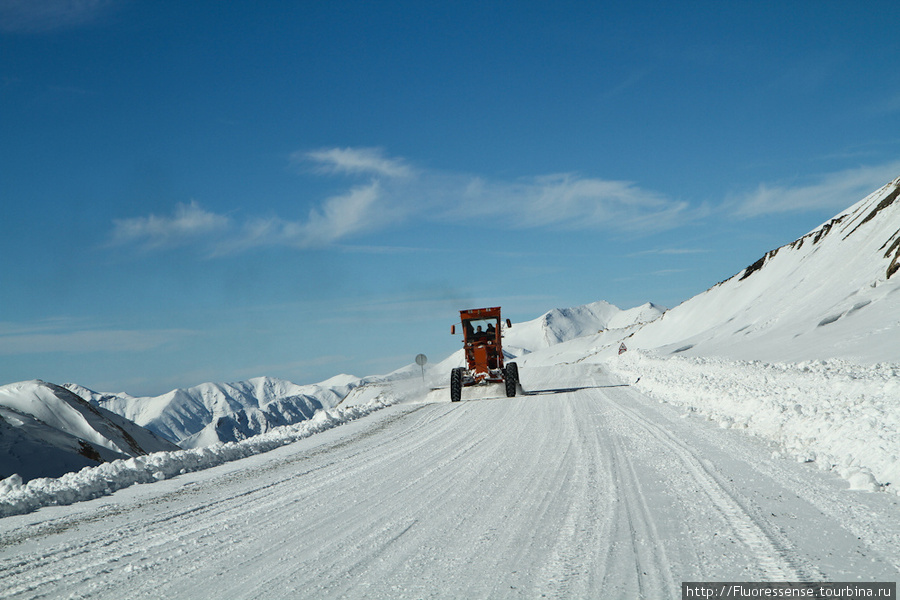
480 313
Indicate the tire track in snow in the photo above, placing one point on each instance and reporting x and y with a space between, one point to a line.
585 525
609 539
652 570
190 525
774 556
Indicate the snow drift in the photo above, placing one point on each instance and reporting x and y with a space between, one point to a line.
840 416
18 497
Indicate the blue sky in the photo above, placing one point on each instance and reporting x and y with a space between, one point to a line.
212 191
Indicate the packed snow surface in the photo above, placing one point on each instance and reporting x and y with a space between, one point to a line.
582 488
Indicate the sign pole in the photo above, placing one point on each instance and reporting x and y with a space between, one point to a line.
421 359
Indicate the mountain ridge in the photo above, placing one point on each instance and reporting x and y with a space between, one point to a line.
827 290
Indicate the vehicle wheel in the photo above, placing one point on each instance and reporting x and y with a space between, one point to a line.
512 371
455 385
509 378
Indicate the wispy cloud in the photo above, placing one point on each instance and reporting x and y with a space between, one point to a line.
187 223
570 201
562 201
340 216
361 209
41 16
397 194
353 161
831 191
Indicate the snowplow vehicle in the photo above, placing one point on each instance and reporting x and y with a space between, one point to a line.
482 343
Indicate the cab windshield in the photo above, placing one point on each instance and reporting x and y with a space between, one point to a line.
476 328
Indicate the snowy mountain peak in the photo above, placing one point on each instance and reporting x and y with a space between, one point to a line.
563 324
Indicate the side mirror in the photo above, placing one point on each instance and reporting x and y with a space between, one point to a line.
508 324
453 330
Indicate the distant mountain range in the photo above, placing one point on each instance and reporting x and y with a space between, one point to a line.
224 412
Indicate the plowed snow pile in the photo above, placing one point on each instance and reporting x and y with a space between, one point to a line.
102 480
841 416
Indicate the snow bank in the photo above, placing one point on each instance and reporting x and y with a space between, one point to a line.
102 480
842 416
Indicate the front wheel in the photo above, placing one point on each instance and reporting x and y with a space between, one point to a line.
455 385
510 378
512 371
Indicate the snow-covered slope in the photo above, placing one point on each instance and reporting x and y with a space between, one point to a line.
46 430
833 293
225 412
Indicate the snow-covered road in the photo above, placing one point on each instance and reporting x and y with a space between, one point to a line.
581 488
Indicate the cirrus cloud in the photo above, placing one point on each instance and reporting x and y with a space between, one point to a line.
398 195
152 231
354 161
570 201
338 217
76 336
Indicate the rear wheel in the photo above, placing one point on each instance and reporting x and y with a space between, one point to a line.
455 385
